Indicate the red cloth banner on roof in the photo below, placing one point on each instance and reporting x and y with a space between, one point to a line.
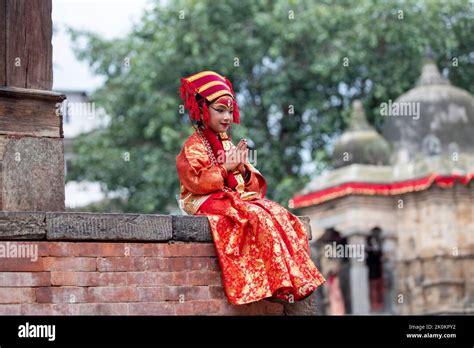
372 189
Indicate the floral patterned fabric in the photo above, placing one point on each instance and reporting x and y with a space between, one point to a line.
262 248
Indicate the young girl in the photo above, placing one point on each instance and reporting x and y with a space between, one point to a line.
262 248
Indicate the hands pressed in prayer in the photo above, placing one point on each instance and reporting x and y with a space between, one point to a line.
242 146
237 157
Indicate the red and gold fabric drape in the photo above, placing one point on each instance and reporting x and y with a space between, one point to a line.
262 248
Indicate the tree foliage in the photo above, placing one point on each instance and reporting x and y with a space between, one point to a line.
295 65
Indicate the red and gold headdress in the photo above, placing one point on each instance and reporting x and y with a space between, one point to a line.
211 86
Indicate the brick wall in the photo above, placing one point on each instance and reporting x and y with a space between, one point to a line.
105 278
117 264
88 278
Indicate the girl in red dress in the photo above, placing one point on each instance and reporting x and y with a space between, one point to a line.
262 248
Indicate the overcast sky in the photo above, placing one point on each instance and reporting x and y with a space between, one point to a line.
110 18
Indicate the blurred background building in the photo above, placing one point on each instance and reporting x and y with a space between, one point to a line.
78 117
406 200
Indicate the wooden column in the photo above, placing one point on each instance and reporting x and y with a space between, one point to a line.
31 136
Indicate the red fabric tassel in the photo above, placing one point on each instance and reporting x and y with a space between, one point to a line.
205 113
195 114
236 113
188 95
182 91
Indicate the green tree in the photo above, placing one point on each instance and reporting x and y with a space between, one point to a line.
296 66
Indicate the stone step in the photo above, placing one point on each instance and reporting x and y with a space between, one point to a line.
70 226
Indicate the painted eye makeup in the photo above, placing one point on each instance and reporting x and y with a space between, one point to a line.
223 110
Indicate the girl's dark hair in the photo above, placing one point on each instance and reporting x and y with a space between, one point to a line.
200 99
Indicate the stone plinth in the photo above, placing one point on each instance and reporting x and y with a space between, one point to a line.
31 137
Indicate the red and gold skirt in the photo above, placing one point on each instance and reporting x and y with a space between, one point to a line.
262 248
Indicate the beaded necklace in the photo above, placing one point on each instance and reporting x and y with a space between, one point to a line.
210 153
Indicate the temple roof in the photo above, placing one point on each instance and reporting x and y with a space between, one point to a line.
360 143
432 145
440 119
